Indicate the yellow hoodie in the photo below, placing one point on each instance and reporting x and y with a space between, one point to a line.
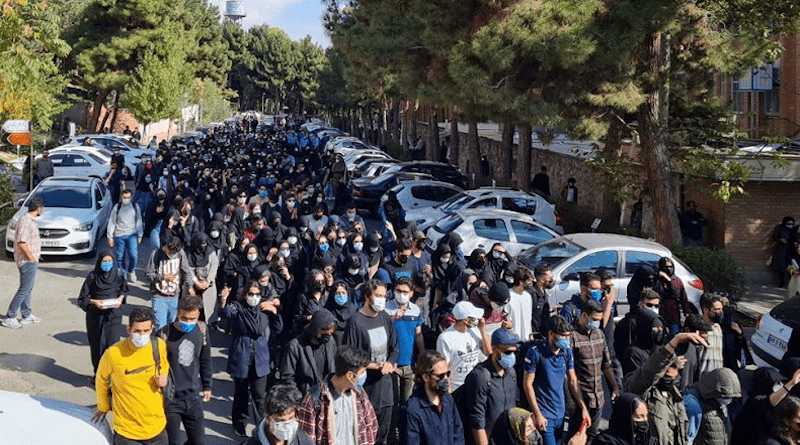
137 401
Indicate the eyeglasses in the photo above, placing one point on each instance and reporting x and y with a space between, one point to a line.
652 305
444 375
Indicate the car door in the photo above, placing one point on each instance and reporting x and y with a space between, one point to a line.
83 164
568 279
487 231
484 203
527 234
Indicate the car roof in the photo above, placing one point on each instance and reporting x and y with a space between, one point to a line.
430 182
429 163
600 240
72 181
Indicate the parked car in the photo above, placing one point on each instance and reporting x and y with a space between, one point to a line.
490 198
573 254
81 161
356 157
127 148
186 139
372 167
777 334
367 192
74 217
482 228
439 170
419 194
346 144
28 419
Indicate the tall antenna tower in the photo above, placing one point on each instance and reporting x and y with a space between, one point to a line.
234 11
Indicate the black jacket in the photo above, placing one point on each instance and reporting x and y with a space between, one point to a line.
299 368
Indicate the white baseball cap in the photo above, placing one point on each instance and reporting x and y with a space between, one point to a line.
465 309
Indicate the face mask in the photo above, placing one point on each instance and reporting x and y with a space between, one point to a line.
317 286
373 249
292 240
669 270
496 306
341 241
358 247
303 229
724 401
445 259
283 430
186 327
442 387
262 193
106 266
361 380
790 225
497 254
596 295
324 338
652 309
716 317
252 257
509 280
126 201
253 300
658 337
507 361
550 284
402 298
214 234
290 204
353 271
402 259
378 304
323 248
285 253
241 200
593 325
165 172
562 343
341 299
667 383
256 212
148 179
319 199
351 216
139 340
641 427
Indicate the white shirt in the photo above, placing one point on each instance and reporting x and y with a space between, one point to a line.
520 311
462 351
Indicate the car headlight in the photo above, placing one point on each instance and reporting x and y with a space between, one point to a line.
85 227
12 225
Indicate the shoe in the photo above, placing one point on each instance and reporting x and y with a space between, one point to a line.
11 322
30 319
131 277
240 430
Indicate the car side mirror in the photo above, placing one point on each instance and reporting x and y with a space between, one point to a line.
99 205
20 202
571 277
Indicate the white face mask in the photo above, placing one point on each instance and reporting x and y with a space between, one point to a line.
292 240
283 430
351 216
126 201
242 200
352 271
341 241
285 253
139 340
496 306
251 257
253 300
214 234
652 309
497 254
402 298
378 304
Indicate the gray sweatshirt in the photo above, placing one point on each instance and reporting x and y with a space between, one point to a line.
125 220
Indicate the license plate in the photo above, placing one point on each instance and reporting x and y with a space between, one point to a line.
50 243
777 342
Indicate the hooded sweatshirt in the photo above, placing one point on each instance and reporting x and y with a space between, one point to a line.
712 417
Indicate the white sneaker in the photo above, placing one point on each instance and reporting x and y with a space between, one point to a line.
11 323
30 319
131 277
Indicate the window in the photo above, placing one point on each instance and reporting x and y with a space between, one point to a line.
771 99
57 159
79 161
528 233
97 158
607 259
98 195
432 192
635 259
494 229
489 203
737 96
521 205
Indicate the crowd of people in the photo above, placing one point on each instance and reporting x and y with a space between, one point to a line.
341 335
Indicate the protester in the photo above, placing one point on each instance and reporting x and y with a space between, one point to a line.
167 270
629 424
125 232
309 357
465 343
280 425
27 250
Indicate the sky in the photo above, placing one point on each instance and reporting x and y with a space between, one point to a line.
298 18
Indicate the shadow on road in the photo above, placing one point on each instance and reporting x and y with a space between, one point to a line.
77 338
45 366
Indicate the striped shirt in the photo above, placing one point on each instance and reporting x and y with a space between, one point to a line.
591 358
711 355
27 232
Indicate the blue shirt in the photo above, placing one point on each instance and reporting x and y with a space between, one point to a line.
550 372
406 327
423 425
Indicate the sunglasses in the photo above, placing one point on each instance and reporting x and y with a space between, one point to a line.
652 305
444 375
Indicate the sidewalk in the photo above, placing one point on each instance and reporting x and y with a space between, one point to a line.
761 298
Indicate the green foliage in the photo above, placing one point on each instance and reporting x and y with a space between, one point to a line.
213 99
157 86
719 271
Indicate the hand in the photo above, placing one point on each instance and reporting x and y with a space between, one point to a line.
579 438
681 361
184 218
161 380
507 323
170 277
140 240
614 394
267 306
736 328
98 304
428 269
98 417
795 378
159 209
202 285
120 299
663 275
481 324
684 337
611 296
387 368
223 295
586 418
206 395
111 242
171 223
539 422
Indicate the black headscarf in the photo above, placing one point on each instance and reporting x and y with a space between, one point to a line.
106 284
201 250
643 277
219 243
621 426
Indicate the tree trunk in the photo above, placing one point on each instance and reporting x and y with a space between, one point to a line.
653 118
393 115
404 120
506 154
473 151
115 113
455 142
412 124
91 126
433 138
523 164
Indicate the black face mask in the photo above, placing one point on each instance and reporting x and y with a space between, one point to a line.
550 284
402 259
443 386
658 337
641 431
716 317
324 338
666 383
669 270
318 286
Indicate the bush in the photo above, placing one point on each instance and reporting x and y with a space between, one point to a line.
720 272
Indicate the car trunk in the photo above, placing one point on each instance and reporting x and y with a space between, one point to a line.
788 313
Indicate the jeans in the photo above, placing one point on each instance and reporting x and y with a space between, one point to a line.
127 247
160 439
155 235
552 434
166 309
142 199
188 410
22 299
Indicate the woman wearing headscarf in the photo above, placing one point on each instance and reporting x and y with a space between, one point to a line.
314 297
477 260
647 333
454 241
643 278
752 422
342 306
374 251
353 246
218 240
629 424
785 430
102 293
447 269
322 253
515 427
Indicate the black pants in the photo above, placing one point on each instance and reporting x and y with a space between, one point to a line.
160 439
384 424
104 328
244 389
189 410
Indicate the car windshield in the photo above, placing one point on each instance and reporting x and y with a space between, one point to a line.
448 223
455 202
552 253
64 197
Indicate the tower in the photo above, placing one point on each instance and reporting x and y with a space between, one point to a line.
234 11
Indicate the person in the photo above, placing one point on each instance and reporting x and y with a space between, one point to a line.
490 388
629 423
692 223
520 304
443 152
408 324
707 407
784 235
309 357
465 343
280 425
656 383
166 271
137 369
540 312
647 335
766 391
372 330
350 217
785 428
540 184
690 373
548 364
673 295
590 290
337 411
102 294
44 168
27 251
430 416
644 277
189 355
711 357
623 333
592 363
399 266
570 193
125 232
515 427
249 356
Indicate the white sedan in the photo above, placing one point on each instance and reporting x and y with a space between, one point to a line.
777 334
418 194
76 160
482 228
74 217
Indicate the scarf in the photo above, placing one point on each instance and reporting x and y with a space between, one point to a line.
199 257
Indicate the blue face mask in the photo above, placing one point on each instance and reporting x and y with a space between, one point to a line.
361 380
106 266
597 295
323 248
341 299
262 193
562 343
507 361
593 325
186 327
